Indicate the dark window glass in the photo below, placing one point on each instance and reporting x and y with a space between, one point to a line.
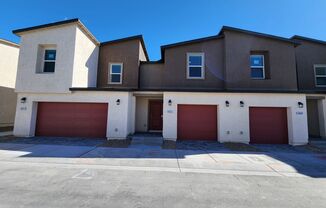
320 70
195 72
195 60
115 78
49 66
50 55
257 73
256 60
321 81
116 69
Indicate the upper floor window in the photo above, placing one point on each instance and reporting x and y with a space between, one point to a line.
257 65
195 66
115 73
49 60
320 75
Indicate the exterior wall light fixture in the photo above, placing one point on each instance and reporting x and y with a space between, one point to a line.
23 100
300 104
170 102
227 103
241 103
118 102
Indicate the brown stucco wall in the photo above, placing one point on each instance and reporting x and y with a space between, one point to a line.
282 70
308 54
128 53
172 73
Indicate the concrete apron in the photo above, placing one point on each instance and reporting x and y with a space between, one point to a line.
179 161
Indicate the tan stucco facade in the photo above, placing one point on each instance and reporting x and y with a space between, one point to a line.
9 53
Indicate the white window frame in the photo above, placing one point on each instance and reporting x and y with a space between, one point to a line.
202 65
43 62
110 70
258 67
315 66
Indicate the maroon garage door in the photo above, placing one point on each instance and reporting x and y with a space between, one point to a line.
71 119
197 122
268 125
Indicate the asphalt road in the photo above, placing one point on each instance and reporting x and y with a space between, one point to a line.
42 184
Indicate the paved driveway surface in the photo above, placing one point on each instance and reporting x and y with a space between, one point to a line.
46 174
269 160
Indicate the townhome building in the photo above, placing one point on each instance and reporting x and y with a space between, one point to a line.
235 86
9 52
311 70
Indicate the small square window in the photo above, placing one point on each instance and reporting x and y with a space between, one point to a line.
115 73
49 60
195 66
320 75
49 66
257 66
50 55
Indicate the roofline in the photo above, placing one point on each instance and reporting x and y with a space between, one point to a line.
197 90
308 39
227 28
192 41
182 43
18 32
135 37
151 62
9 43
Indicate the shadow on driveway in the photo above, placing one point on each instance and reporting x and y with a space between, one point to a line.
284 160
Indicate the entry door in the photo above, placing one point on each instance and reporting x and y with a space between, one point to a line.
155 115
313 118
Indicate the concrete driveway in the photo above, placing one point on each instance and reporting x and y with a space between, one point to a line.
270 161
39 174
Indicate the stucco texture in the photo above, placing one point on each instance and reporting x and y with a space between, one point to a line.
8 70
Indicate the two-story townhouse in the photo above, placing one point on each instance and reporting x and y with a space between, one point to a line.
9 52
311 69
236 86
57 57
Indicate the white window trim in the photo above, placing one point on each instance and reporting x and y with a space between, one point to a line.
258 67
316 76
43 63
110 70
202 66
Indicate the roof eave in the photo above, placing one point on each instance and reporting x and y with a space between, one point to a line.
136 37
9 43
298 37
19 32
233 29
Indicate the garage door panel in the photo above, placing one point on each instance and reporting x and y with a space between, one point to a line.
268 125
71 119
197 122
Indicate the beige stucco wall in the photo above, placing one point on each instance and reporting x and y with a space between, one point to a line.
118 116
235 119
8 65
322 117
141 114
8 70
60 81
85 61
142 56
75 66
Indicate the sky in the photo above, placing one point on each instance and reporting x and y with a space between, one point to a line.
164 22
